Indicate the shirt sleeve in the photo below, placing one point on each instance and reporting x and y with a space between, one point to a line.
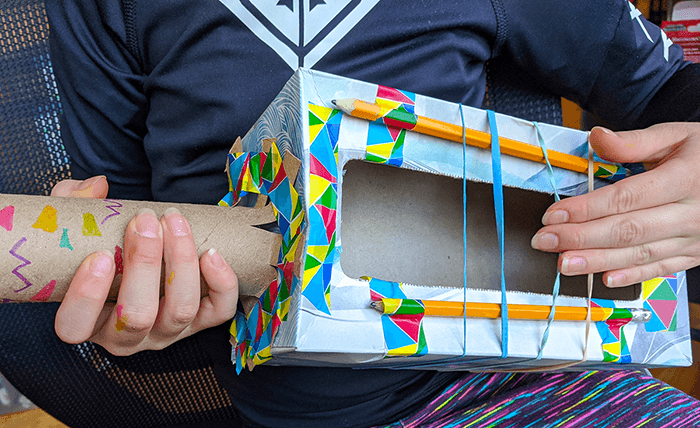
677 101
155 93
601 54
100 85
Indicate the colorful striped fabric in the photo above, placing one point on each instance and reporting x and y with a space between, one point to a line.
628 399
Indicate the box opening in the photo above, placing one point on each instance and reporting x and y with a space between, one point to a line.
406 226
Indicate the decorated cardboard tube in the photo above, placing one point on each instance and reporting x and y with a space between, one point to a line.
43 241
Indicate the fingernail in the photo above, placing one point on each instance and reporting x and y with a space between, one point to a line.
573 264
175 222
616 280
555 217
545 241
606 130
101 264
147 223
90 182
216 259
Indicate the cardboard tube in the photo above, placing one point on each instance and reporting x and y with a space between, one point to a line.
43 241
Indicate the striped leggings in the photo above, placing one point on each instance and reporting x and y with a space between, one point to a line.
626 399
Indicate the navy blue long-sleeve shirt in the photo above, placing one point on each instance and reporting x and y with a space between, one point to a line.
154 93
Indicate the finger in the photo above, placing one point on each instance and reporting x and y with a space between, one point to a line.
220 305
624 230
180 304
662 185
643 145
78 314
637 274
138 300
95 187
593 261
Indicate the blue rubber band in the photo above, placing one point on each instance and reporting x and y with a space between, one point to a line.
464 221
445 361
555 291
498 205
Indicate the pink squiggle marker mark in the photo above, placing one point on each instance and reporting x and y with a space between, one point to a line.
26 262
113 208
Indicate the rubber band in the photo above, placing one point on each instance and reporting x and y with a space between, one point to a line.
498 206
498 196
464 222
590 279
591 187
557 280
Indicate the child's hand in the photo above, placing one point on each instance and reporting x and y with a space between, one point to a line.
642 227
141 319
95 188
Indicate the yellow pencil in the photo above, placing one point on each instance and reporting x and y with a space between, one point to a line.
447 131
515 311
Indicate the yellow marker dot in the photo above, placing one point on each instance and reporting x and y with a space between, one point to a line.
170 278
47 220
90 225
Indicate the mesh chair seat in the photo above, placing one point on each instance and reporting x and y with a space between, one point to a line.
32 158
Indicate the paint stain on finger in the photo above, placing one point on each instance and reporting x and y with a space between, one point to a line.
121 320
170 278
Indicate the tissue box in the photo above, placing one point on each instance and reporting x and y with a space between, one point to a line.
378 211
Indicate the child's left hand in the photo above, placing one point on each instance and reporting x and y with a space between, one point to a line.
141 319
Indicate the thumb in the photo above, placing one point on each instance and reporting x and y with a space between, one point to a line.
645 145
94 187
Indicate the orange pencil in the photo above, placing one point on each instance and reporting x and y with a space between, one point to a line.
447 131
515 311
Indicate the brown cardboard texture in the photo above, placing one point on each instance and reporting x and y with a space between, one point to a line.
406 226
43 241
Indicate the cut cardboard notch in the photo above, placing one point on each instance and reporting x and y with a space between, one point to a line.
291 164
406 226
